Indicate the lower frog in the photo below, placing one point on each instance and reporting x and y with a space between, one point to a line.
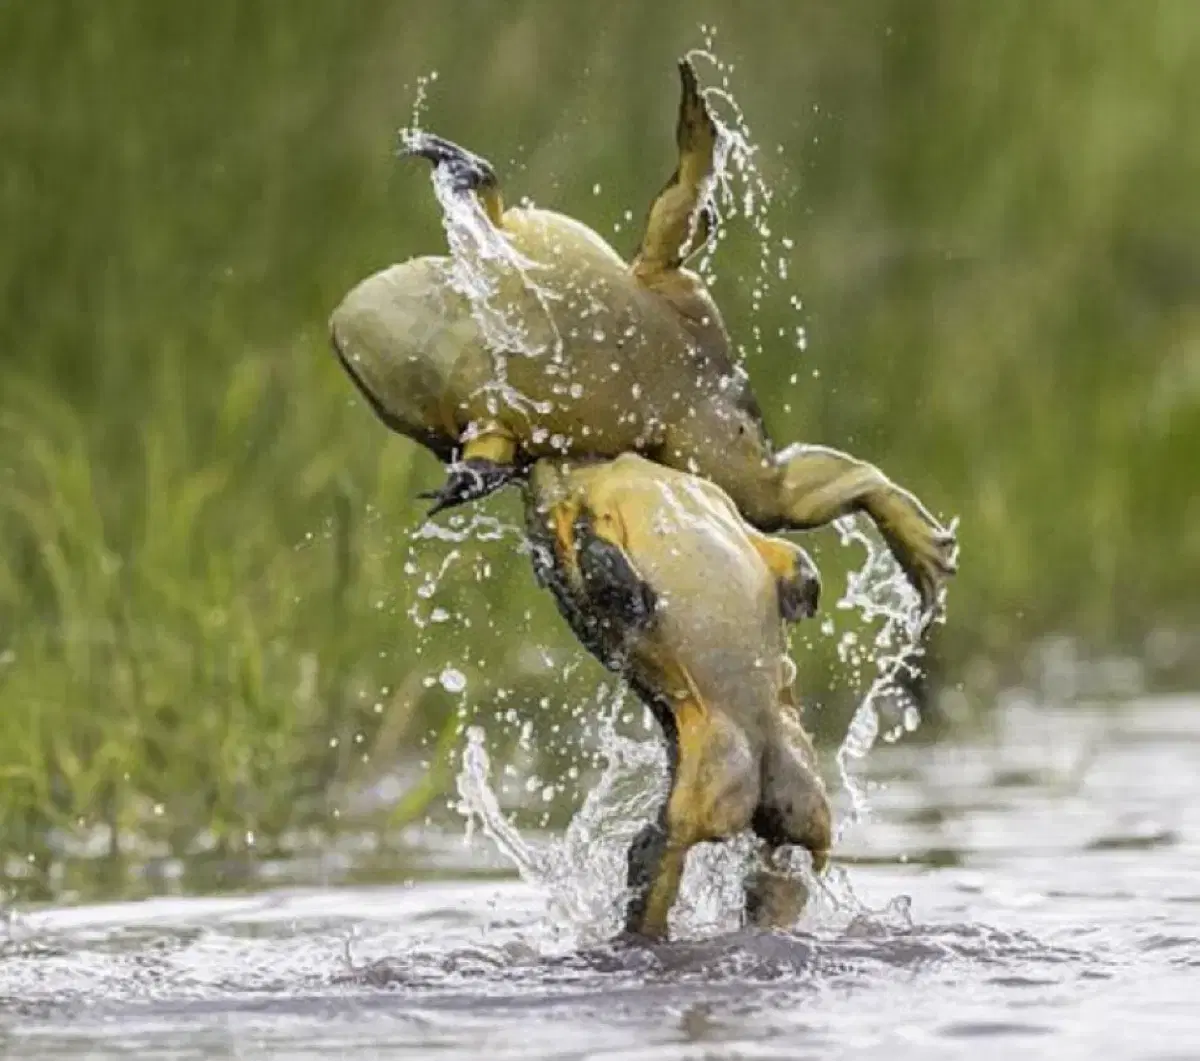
661 579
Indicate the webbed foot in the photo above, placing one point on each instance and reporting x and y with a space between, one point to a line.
695 130
820 484
467 171
469 480
927 553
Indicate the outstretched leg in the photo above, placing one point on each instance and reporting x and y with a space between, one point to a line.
714 789
680 220
820 484
468 172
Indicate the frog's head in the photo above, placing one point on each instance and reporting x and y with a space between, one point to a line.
399 335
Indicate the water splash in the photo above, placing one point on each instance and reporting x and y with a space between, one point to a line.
432 569
581 873
421 97
879 590
740 191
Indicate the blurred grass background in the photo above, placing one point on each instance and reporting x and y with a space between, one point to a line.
214 619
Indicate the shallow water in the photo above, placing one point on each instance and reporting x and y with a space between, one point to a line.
1054 886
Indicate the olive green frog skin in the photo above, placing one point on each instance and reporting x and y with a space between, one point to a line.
627 357
660 577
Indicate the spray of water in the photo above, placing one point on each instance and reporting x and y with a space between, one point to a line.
879 591
740 191
582 872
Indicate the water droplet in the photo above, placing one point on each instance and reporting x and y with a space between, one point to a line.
453 680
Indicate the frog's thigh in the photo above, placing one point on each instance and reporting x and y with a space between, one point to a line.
717 780
794 807
714 788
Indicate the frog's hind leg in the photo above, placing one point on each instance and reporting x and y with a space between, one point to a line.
817 485
793 811
680 219
468 173
611 607
714 787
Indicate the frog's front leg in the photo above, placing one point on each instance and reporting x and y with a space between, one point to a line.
820 484
488 463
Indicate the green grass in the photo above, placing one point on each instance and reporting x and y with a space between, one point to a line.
205 537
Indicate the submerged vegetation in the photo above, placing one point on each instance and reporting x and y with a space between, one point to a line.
218 613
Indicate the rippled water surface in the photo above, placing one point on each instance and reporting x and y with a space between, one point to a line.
1053 886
